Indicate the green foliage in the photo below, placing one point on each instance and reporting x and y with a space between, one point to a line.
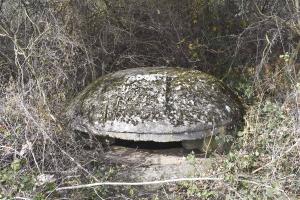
14 181
258 149
195 190
191 158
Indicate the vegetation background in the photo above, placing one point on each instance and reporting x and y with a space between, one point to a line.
51 49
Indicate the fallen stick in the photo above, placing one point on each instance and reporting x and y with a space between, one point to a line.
138 183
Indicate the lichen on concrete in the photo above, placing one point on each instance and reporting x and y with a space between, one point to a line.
158 104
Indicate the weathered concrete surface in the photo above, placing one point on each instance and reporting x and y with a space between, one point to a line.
155 104
150 165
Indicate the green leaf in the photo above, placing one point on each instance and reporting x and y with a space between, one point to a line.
16 165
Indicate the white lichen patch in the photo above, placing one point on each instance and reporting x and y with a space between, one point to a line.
146 77
227 108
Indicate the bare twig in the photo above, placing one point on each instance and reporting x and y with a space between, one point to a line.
138 183
275 160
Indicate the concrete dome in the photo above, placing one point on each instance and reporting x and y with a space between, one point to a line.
155 104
